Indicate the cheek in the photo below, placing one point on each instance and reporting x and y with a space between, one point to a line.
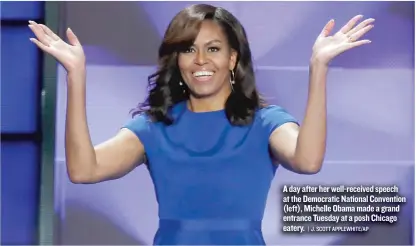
184 63
222 60
223 65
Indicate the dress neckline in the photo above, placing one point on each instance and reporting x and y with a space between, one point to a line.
206 113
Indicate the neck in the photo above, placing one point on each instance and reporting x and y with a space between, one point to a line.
207 104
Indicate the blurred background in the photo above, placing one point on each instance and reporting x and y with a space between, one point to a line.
370 107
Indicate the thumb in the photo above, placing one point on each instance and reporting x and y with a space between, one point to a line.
327 28
72 38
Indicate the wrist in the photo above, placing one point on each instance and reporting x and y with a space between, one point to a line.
318 65
318 71
76 79
77 73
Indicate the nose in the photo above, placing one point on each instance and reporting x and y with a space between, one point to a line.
200 58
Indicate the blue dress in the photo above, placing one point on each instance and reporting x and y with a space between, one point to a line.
211 178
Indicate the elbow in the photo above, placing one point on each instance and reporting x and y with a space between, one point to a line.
79 177
309 166
76 180
312 169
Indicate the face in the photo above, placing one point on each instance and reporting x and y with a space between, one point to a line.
206 65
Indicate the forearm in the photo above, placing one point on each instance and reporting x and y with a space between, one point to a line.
311 143
80 154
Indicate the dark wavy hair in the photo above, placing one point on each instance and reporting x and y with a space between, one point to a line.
164 88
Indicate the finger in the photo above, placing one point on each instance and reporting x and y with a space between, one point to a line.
72 38
350 24
49 35
40 34
49 32
358 43
40 45
360 26
348 46
360 33
327 28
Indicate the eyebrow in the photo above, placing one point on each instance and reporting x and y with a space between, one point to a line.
213 41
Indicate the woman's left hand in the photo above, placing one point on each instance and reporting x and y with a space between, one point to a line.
327 47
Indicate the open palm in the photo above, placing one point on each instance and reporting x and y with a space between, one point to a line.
70 55
327 47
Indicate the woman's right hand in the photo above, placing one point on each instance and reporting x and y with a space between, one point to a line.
71 55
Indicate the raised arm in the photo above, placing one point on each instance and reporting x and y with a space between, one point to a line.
86 163
302 149
109 160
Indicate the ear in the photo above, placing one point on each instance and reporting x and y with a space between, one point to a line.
233 59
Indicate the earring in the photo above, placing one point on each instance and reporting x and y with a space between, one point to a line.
183 87
232 80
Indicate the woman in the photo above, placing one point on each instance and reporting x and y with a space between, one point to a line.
208 138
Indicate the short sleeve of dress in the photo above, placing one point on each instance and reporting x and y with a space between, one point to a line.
274 116
141 126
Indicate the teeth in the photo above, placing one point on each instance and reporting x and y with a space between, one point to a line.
203 73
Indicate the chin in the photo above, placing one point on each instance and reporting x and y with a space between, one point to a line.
202 93
203 90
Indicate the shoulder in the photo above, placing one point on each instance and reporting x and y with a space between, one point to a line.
139 124
143 123
273 112
273 116
269 110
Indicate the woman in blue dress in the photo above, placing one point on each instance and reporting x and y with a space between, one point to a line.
208 139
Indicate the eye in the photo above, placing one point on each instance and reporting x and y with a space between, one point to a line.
189 50
213 49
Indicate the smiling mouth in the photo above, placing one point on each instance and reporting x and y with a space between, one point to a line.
203 75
